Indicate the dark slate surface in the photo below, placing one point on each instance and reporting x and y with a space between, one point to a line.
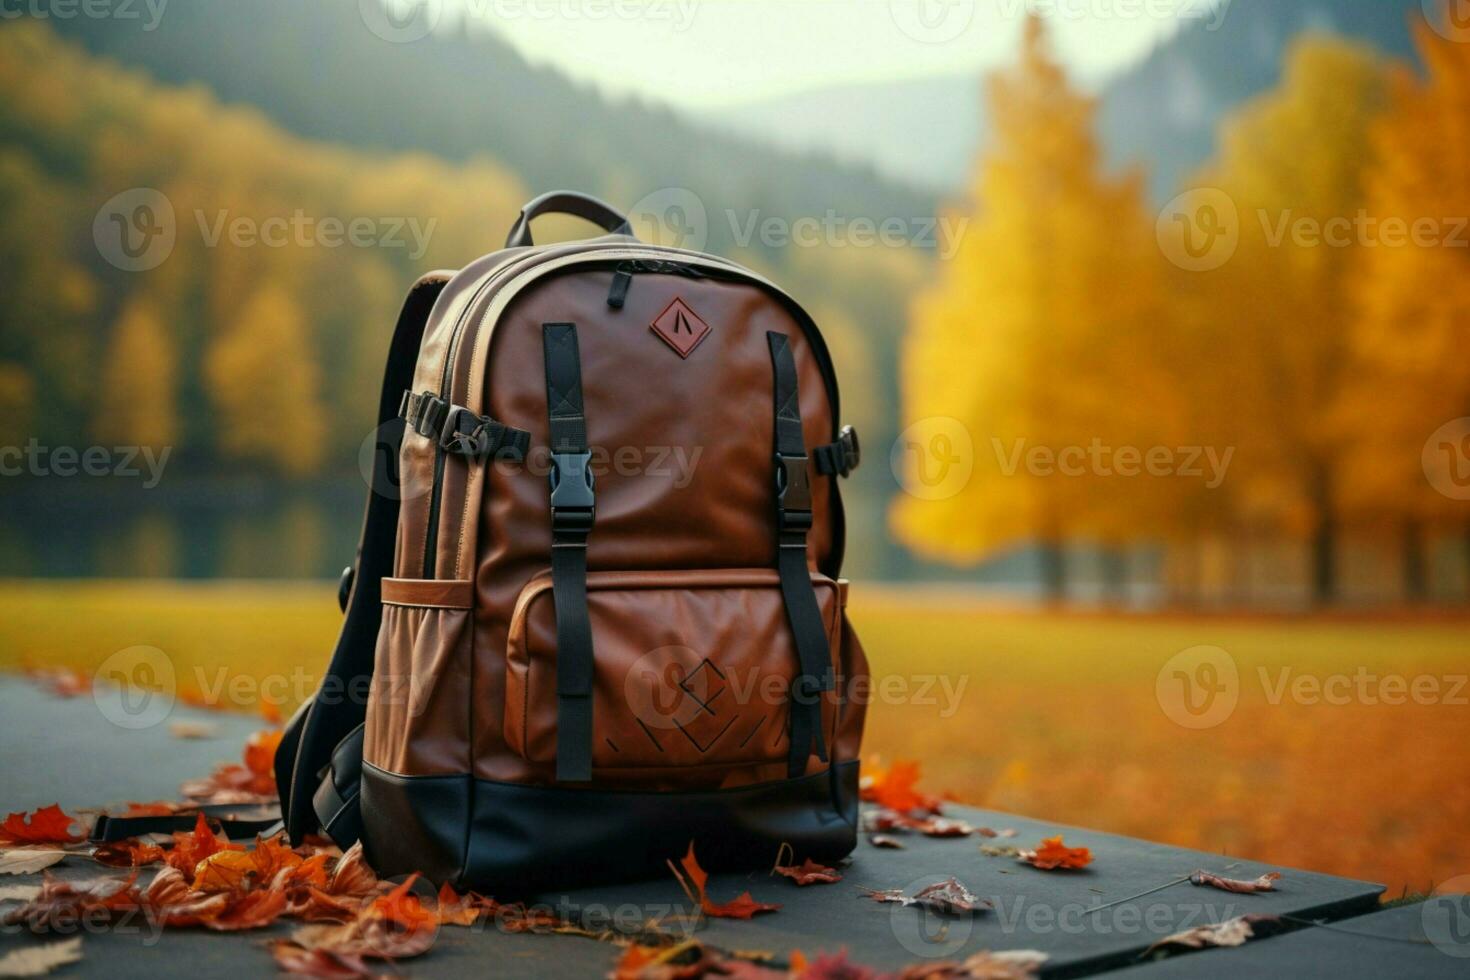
64 750
1428 941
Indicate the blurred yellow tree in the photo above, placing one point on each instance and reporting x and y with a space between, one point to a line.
1413 374
136 406
265 385
1032 345
1293 163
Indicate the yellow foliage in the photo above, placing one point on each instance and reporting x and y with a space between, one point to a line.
1412 372
265 386
136 404
1279 314
1025 340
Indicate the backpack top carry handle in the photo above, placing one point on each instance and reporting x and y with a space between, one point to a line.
583 206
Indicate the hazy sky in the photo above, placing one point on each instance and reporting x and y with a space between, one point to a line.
703 53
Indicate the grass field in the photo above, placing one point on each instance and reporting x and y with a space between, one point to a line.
1056 716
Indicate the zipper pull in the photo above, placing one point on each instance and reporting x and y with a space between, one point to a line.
618 294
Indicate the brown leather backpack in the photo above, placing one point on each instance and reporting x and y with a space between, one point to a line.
596 611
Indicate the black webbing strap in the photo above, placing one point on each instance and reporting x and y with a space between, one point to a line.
793 520
839 458
457 430
573 506
108 828
321 723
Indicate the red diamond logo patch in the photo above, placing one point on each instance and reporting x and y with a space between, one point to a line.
680 327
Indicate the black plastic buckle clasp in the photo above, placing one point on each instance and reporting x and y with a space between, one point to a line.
793 492
426 414
573 497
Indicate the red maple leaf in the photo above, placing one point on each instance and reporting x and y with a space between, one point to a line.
48 825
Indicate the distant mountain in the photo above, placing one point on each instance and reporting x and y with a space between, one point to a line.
924 131
1162 113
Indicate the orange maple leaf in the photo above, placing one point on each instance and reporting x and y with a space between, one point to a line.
191 848
743 906
458 910
260 757
402 907
48 825
896 787
1051 854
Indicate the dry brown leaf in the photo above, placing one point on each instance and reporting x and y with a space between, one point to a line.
129 853
62 904
1265 883
318 962
1015 964
809 872
948 896
884 840
352 876
1231 932
27 861
37 961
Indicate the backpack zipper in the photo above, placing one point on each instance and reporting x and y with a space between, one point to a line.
622 281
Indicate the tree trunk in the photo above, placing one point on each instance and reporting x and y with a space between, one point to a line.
1324 539
1465 544
1053 572
1114 568
1324 562
1416 588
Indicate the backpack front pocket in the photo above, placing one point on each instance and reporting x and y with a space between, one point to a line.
693 668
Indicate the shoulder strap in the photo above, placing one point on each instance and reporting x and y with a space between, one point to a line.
793 521
340 704
573 507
